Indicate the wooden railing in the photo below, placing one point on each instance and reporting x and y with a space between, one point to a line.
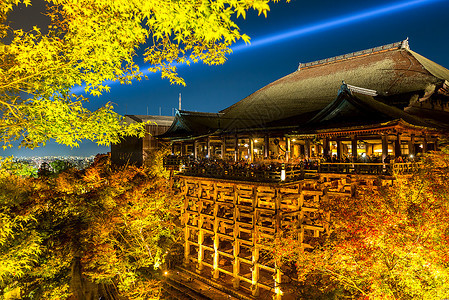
247 174
277 172
355 168
369 168
406 168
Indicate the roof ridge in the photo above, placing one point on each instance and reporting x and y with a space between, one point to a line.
198 113
163 116
393 46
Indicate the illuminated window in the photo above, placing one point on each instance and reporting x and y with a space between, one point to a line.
404 149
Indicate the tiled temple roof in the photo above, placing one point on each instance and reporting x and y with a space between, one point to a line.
388 77
352 109
392 71
188 124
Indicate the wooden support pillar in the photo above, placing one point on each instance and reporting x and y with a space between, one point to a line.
182 149
277 283
186 245
339 154
288 150
411 145
255 272
277 228
215 272
255 250
200 241
397 146
186 230
277 211
223 147
424 144
384 147
251 149
326 148
236 148
236 243
208 146
195 149
354 148
266 149
307 148
301 214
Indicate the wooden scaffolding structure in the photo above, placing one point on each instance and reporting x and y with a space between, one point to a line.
224 222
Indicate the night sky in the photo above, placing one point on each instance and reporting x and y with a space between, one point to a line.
323 29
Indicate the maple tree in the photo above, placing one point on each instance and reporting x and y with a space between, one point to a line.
91 42
104 230
390 243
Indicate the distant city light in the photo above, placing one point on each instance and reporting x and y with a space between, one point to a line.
79 162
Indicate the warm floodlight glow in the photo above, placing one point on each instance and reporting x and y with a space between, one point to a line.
283 175
380 151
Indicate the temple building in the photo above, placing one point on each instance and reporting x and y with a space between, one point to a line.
134 150
263 165
388 100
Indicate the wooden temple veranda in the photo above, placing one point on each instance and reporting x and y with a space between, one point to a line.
261 167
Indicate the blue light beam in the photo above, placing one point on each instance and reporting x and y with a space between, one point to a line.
320 26
329 24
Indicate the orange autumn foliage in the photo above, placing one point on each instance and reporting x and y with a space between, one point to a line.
385 243
105 228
